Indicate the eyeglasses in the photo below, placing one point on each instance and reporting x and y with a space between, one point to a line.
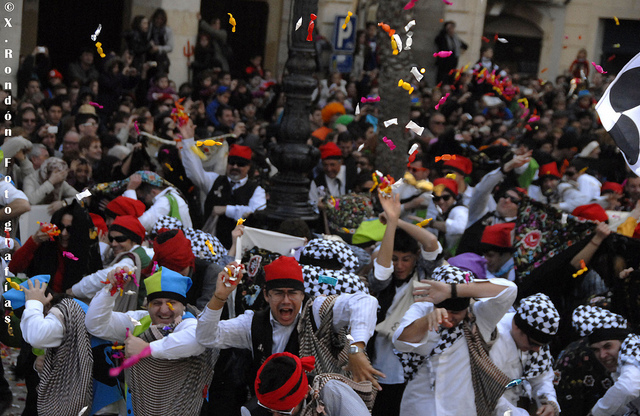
238 163
511 198
278 295
290 412
445 198
118 239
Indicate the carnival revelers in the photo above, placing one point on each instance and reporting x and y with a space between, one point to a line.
521 351
295 323
164 339
618 350
454 362
282 388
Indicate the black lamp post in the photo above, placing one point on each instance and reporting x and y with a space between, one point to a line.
289 193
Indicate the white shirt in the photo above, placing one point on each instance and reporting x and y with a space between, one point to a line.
569 194
204 181
160 207
335 186
386 361
104 323
589 186
508 358
38 330
357 310
452 394
624 395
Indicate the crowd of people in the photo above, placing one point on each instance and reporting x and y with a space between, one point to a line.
498 275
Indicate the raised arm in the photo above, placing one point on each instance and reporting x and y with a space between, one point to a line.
192 164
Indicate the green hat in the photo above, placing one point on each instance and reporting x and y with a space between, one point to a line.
168 284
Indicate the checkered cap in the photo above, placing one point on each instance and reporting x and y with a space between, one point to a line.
587 318
319 281
451 274
167 222
327 250
538 312
630 350
198 238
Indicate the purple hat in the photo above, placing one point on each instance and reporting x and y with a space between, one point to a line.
471 262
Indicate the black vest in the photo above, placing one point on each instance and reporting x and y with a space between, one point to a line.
220 194
349 186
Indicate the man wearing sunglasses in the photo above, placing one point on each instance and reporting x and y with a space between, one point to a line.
486 209
551 188
521 351
125 236
228 197
333 179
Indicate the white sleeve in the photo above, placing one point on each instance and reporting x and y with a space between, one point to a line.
92 283
38 330
193 166
430 255
160 207
356 310
457 220
12 193
489 311
36 192
478 205
573 198
180 343
624 390
543 385
103 322
382 273
258 200
430 339
230 333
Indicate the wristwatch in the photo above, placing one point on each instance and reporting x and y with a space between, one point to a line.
354 349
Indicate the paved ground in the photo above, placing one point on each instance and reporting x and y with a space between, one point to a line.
9 356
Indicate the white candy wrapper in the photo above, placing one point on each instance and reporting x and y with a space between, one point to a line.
416 73
392 121
414 128
409 25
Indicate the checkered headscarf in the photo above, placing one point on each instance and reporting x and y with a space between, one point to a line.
538 318
329 254
599 324
198 238
451 274
630 350
319 281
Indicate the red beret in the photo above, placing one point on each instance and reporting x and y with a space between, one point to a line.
240 151
173 250
126 206
99 223
449 184
283 272
550 169
499 235
593 212
330 150
129 226
612 186
460 164
54 73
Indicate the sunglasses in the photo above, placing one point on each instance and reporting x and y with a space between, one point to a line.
63 227
238 163
445 198
511 198
290 412
118 239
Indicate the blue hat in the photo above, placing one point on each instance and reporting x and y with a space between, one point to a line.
222 89
17 297
168 284
584 93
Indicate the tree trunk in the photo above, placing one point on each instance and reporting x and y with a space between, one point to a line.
395 102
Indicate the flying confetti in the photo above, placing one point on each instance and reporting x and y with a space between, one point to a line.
346 21
369 99
389 143
442 54
393 121
357 109
409 25
83 194
502 40
417 130
94 37
417 74
310 28
415 145
616 20
405 85
442 100
299 23
598 68
232 22
208 142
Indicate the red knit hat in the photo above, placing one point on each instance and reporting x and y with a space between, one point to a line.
243 152
54 73
99 223
449 184
330 150
293 391
460 164
129 226
173 251
550 169
498 237
593 212
125 206
613 187
283 272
